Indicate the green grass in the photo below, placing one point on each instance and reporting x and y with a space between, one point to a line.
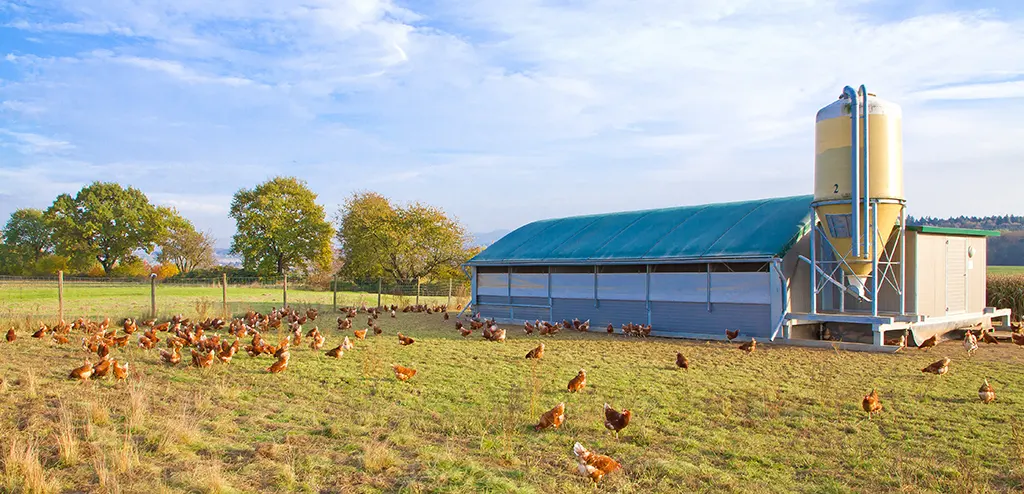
783 419
1006 270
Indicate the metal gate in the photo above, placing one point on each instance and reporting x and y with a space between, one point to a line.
956 275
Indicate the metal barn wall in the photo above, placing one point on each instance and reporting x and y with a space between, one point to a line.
674 318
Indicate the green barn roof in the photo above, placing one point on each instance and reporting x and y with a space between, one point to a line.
729 231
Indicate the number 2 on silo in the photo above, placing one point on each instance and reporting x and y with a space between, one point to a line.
836 189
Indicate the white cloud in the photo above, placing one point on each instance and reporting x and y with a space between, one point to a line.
29 143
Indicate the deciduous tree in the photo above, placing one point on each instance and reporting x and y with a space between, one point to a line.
27 236
280 227
185 247
105 221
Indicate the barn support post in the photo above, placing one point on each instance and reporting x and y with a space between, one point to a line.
60 295
903 259
814 264
709 286
595 287
647 294
874 260
508 291
551 306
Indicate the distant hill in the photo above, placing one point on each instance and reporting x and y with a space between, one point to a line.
1004 250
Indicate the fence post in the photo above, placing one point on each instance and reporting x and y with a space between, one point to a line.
224 293
449 293
285 306
380 286
152 294
334 288
417 290
60 295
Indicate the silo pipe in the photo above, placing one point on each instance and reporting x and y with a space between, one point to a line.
867 172
855 166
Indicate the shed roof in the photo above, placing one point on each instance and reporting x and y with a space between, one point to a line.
758 229
942 230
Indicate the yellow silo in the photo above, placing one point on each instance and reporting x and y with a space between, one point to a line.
837 170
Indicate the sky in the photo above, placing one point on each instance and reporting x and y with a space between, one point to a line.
499 112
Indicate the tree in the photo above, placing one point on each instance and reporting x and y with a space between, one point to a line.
27 236
404 243
185 247
280 227
105 221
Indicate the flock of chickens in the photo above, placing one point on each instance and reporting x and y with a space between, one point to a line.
180 332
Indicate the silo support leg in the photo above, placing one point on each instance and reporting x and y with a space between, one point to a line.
879 334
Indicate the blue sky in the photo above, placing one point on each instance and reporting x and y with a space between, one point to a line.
499 112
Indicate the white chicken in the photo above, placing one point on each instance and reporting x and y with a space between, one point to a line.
970 343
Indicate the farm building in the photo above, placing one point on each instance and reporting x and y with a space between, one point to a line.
696 271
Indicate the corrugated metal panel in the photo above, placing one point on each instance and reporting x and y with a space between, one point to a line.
694 318
740 288
530 285
492 284
619 312
679 287
572 285
582 309
956 275
530 300
495 311
531 314
491 299
761 228
622 286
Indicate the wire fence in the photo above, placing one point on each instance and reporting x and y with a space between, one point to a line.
55 297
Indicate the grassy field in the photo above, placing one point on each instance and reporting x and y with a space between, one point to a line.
782 419
1006 270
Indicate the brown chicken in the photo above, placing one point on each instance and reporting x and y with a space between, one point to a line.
749 346
82 373
731 334
120 370
173 357
610 328
930 342
682 361
900 343
281 364
528 327
987 393
938 368
445 316
552 418
405 340
202 360
871 403
1017 338
536 352
403 373
466 332
335 352
360 334
101 368
39 332
614 420
11 336
318 341
592 464
987 337
579 382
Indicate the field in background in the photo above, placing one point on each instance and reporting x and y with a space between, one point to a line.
783 419
1006 270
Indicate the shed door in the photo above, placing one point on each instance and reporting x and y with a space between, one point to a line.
956 275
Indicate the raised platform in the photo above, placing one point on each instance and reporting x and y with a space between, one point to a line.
920 327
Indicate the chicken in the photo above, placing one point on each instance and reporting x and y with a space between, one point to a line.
592 464
40 332
445 315
871 403
173 357
393 314
579 382
405 340
318 341
101 368
584 326
749 346
528 327
82 373
970 343
987 337
377 330
360 334
466 332
614 420
731 334
682 361
987 393
1017 339
11 336
938 368
346 344
202 360
335 352
900 342
403 373
498 335
930 342
227 352
120 370
552 418
536 352
281 364
610 328
458 325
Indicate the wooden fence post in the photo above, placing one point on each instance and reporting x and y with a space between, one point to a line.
449 293
285 291
152 295
380 286
60 295
334 288
417 290
224 293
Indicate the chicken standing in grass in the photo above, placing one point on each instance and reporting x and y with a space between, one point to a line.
970 343
11 336
938 368
592 464
930 342
749 346
871 403
82 373
552 418
403 373
731 334
405 340
336 352
536 352
120 370
986 392
682 361
987 337
579 382
614 420
281 364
